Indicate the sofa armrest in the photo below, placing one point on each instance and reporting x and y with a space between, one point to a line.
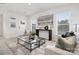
50 50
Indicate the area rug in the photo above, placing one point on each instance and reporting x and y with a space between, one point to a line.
20 50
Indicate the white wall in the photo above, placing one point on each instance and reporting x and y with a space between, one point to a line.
10 32
72 8
2 12
75 18
1 25
18 30
29 24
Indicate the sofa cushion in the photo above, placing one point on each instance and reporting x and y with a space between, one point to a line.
60 43
51 50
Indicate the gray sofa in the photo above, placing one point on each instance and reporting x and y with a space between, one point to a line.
50 50
69 44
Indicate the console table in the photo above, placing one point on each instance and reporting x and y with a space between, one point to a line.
49 32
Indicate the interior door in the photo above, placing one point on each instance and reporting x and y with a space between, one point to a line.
22 27
1 25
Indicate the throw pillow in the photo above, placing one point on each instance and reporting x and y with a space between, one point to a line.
72 34
63 36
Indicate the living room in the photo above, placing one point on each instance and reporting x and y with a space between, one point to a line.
46 20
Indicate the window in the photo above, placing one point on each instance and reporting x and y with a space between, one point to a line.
33 27
34 24
63 27
63 22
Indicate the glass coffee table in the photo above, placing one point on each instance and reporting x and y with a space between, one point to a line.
30 44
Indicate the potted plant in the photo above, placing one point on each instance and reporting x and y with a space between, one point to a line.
32 35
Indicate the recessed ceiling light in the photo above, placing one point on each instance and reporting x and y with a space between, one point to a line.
29 3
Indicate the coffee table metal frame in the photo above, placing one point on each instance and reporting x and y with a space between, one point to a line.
37 44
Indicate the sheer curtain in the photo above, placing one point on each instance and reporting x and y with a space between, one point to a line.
76 29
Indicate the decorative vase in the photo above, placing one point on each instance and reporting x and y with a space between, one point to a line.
46 27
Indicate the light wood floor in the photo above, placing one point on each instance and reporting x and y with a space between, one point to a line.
10 47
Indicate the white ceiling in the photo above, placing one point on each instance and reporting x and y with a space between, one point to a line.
26 9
